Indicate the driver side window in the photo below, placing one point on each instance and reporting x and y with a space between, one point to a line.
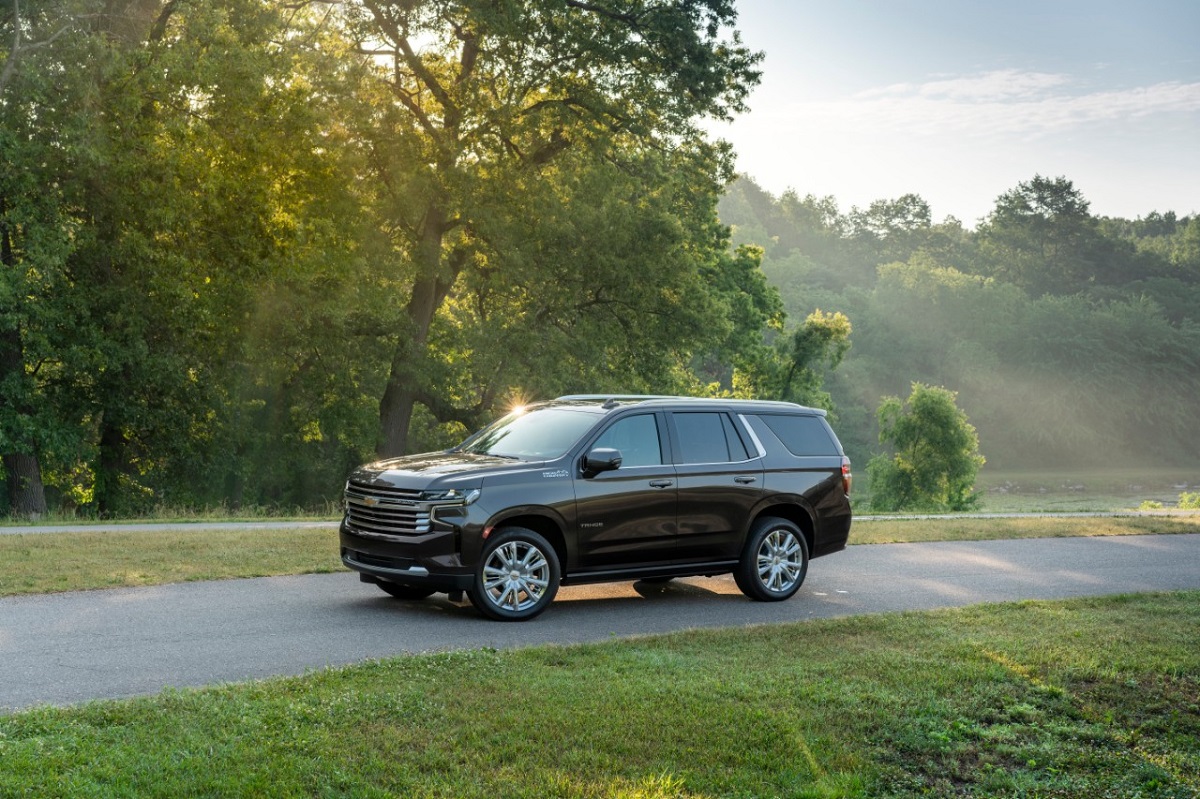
637 439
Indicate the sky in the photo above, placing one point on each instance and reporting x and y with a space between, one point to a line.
960 101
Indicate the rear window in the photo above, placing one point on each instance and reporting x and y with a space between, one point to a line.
802 435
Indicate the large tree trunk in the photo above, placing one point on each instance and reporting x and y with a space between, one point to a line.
109 467
23 478
405 382
23 474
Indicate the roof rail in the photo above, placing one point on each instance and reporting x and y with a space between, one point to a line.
620 397
611 401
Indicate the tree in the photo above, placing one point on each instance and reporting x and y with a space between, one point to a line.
35 237
473 100
630 290
1042 237
892 229
794 369
936 454
160 164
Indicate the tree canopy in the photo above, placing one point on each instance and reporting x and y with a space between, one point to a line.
246 245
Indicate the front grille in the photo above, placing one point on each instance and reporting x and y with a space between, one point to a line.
385 511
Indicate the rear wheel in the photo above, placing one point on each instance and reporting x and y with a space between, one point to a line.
402 591
517 576
774 562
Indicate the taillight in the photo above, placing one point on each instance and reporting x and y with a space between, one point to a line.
847 478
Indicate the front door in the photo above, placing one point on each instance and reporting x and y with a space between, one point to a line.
627 515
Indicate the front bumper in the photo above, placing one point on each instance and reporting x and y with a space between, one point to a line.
442 558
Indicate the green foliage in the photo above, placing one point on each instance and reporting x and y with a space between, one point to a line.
936 455
1042 238
1189 501
794 370
1074 340
546 197
235 246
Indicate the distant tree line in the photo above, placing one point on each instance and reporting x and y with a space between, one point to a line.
1069 339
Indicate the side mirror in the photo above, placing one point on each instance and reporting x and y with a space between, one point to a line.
601 459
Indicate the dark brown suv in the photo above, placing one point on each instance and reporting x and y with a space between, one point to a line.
590 489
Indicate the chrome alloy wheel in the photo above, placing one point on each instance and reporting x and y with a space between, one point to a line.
780 561
516 575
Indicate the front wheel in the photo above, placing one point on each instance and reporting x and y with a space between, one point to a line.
517 576
774 562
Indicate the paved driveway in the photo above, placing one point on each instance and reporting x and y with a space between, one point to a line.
66 648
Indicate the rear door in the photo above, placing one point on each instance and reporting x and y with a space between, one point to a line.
720 480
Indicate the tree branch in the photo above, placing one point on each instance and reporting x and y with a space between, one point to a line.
17 49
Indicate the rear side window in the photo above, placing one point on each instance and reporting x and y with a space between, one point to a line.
708 438
802 435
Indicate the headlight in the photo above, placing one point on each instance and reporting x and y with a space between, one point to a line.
466 497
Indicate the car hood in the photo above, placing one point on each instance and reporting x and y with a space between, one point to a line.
419 471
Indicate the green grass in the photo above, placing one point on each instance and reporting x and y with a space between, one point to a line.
166 513
951 528
1066 490
1083 698
45 562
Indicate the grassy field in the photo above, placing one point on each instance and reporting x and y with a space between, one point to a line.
1083 698
1083 490
951 528
47 562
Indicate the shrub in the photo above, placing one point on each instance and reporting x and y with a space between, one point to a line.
936 455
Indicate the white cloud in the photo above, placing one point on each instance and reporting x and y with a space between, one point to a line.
1000 103
990 86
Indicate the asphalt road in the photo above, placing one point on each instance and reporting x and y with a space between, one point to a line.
68 648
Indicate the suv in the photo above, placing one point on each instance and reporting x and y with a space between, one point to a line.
587 489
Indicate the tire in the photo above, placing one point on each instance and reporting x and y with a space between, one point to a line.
517 576
774 562
402 591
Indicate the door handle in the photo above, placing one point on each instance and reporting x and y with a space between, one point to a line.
744 479
662 483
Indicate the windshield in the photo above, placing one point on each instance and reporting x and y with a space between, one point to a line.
537 434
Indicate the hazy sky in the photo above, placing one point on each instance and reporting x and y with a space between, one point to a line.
959 101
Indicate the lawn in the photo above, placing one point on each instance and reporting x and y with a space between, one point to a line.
1068 490
1082 698
44 562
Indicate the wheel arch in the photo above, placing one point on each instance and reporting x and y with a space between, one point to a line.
544 525
791 511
